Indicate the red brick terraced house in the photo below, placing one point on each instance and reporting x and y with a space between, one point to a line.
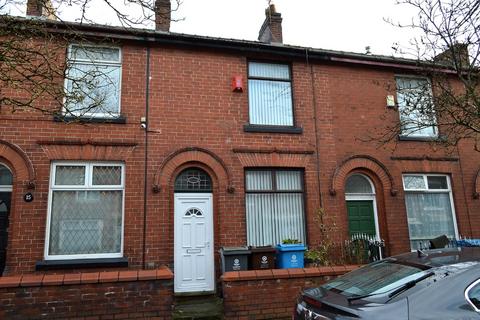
178 162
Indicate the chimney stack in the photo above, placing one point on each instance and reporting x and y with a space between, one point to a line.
457 53
41 9
271 30
163 9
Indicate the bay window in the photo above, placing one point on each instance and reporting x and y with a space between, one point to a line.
85 211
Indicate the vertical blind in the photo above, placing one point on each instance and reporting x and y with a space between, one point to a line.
270 94
274 207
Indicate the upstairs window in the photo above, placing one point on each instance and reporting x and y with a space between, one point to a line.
93 81
415 105
270 94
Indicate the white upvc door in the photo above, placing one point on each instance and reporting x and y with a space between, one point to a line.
193 243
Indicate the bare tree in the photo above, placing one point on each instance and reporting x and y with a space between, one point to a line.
58 72
444 103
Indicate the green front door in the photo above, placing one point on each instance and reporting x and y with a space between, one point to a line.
361 217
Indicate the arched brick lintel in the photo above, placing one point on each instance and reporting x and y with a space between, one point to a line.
23 167
363 162
179 157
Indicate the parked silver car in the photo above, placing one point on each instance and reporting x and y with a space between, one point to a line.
434 284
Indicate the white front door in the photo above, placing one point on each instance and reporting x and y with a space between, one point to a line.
193 242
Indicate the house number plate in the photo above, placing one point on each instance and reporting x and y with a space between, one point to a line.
194 250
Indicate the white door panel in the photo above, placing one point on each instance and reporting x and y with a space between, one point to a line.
193 242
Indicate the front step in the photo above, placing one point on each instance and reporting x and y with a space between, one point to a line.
198 308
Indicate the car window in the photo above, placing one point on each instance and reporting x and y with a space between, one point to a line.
472 294
375 278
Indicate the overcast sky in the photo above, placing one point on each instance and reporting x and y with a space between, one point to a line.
347 25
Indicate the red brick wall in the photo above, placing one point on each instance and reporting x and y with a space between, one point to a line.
270 294
94 295
195 119
352 111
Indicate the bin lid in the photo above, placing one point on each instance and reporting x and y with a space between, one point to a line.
266 249
228 251
291 247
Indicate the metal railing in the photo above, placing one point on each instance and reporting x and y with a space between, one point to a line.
364 248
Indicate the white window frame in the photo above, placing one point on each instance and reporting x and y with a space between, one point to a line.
6 188
118 63
416 134
290 81
427 190
87 186
467 291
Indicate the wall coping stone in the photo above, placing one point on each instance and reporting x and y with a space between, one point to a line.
271 274
37 280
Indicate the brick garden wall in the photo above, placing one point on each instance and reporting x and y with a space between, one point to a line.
94 295
271 294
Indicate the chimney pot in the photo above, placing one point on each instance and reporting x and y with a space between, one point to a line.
271 30
163 10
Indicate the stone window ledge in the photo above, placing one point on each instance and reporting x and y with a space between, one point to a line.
272 129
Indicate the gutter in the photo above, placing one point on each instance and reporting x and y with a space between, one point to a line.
246 47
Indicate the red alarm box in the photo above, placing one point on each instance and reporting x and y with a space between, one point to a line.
237 84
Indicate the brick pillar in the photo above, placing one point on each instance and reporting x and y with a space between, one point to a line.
163 9
271 30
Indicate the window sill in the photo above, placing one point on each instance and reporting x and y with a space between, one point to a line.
81 263
418 138
69 119
272 129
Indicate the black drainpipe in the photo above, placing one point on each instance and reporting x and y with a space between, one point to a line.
145 174
314 103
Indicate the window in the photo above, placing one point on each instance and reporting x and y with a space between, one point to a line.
472 294
358 184
415 105
270 94
93 81
193 180
85 211
6 178
430 209
274 206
